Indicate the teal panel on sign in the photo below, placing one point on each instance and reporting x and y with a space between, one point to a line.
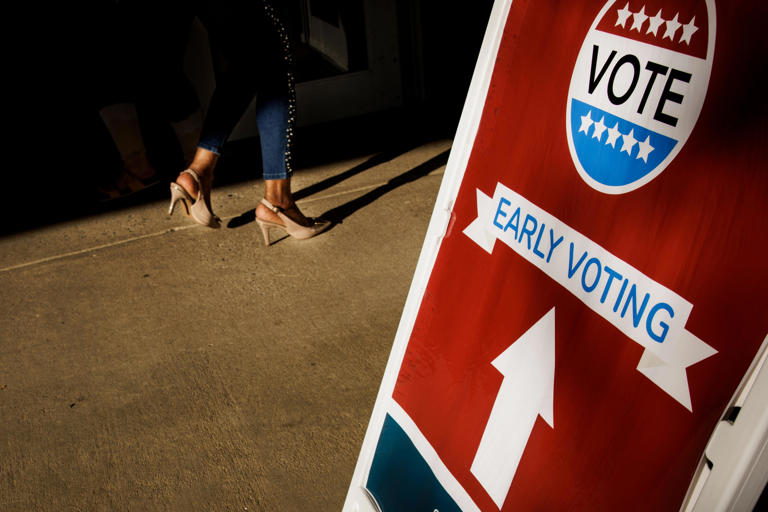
400 479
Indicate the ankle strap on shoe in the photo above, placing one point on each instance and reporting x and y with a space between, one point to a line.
194 175
275 209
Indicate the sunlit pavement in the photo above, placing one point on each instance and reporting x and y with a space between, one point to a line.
147 363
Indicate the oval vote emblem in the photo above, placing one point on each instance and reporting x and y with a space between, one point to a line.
637 89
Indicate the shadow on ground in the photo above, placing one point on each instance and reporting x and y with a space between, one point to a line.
338 214
44 193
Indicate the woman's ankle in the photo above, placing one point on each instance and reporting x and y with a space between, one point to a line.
203 164
278 192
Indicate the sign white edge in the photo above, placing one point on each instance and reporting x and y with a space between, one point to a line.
439 223
733 469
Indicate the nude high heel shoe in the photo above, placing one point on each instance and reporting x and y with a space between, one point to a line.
195 208
289 225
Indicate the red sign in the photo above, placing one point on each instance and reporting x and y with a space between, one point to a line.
602 287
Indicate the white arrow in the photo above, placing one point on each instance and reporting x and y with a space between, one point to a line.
528 388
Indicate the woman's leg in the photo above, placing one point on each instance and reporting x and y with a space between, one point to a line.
276 118
251 60
232 95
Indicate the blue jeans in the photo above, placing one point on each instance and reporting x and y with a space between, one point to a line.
251 58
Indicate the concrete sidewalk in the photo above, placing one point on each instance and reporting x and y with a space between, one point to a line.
147 363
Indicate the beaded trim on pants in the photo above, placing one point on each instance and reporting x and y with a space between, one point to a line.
291 85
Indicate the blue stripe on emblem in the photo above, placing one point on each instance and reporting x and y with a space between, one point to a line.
613 151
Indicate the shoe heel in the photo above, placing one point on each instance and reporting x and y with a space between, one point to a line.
195 208
177 194
173 205
264 231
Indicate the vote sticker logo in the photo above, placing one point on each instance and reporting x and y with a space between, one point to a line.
637 89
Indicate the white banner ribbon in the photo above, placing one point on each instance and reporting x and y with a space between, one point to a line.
638 306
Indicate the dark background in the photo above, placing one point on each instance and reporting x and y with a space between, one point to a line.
65 148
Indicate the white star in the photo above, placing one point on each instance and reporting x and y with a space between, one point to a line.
599 129
639 19
645 149
623 15
656 22
613 134
688 31
628 141
672 26
586 122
